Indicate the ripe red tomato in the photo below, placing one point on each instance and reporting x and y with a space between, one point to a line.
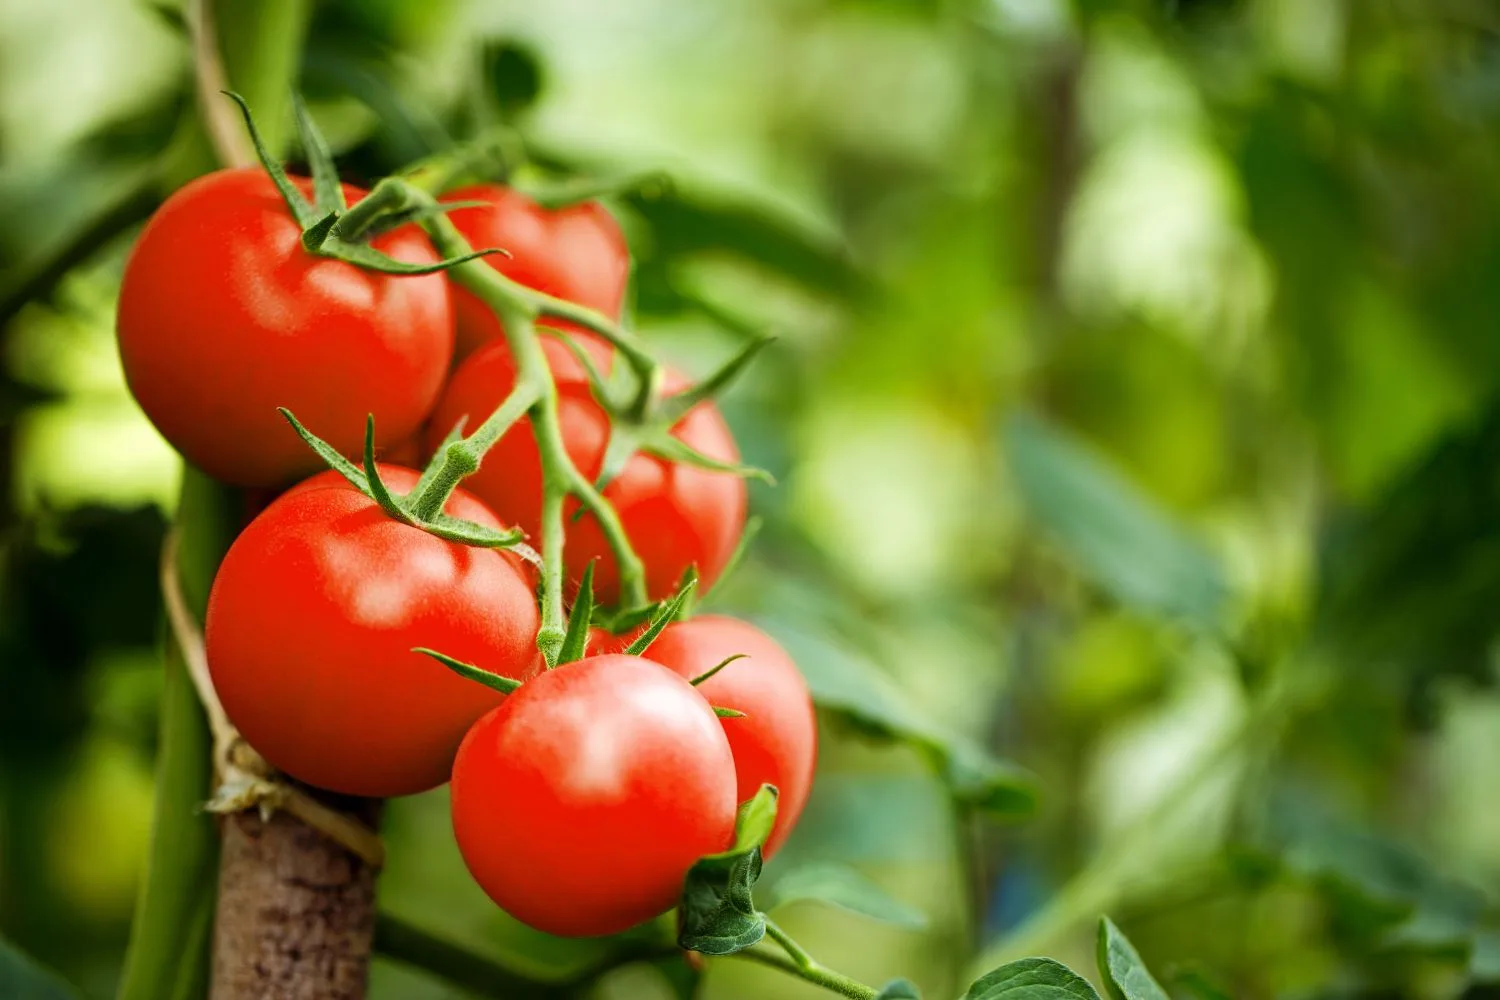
575 253
311 623
776 741
224 317
676 515
581 802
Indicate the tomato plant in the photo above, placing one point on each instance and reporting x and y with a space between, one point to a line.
224 316
582 801
311 624
575 252
775 742
676 515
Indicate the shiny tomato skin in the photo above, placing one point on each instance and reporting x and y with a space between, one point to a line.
580 803
675 515
312 619
576 253
224 316
776 741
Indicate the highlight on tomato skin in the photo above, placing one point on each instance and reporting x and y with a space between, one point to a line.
576 253
224 316
676 515
311 624
580 803
775 742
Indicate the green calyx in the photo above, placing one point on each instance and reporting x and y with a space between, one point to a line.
422 507
494 681
641 418
331 228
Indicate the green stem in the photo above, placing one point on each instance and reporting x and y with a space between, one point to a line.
800 963
494 153
502 146
516 307
389 195
169 951
634 352
396 939
410 945
178 886
464 456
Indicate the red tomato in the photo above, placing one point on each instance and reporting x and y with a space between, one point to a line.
676 515
575 253
581 802
224 317
311 623
776 741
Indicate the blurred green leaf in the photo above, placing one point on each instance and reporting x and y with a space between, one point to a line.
1197 986
1443 921
23 979
1389 896
1484 960
843 887
855 690
1410 584
513 76
1125 975
1114 531
1031 979
899 989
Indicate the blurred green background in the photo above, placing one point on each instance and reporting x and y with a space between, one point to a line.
1134 413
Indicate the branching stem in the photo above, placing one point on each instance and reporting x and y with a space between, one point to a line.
517 308
800 963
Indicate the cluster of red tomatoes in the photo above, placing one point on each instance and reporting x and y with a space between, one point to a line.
601 780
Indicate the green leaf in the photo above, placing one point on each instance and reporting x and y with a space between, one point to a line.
1484 960
1198 986
1408 586
1443 921
854 690
728 713
899 989
690 219
718 913
23 979
843 887
1031 979
1125 975
575 642
1118 536
753 822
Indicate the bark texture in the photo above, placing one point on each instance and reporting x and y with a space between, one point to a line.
296 912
